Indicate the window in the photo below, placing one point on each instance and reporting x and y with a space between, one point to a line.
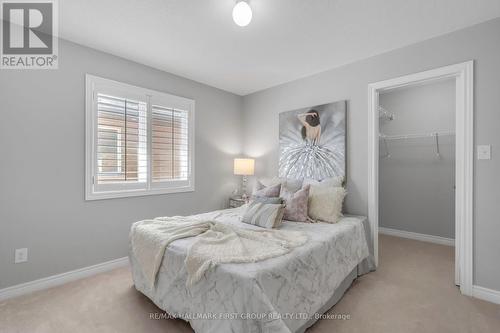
139 141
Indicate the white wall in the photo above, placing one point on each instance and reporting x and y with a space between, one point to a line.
480 43
416 187
42 204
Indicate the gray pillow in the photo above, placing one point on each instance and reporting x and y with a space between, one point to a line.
267 200
269 191
264 215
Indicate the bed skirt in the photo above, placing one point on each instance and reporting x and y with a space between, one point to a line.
364 267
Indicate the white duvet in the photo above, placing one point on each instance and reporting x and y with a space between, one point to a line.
276 295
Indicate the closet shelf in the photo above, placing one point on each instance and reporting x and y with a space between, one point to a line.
434 135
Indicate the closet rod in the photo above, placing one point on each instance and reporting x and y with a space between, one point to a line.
415 136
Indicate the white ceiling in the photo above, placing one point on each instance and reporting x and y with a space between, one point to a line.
286 40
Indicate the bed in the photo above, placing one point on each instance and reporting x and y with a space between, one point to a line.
282 295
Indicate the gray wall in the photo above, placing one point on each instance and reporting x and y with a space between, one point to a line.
42 204
416 188
481 43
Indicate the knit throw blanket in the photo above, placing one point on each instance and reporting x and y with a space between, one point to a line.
215 243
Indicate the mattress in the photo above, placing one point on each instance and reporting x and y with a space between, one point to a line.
280 295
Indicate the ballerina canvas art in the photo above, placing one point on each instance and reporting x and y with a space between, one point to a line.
312 142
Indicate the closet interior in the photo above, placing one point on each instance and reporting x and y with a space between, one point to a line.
417 160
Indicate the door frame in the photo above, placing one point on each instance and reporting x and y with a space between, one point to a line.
464 160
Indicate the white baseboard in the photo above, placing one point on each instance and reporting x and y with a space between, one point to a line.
417 236
486 294
56 280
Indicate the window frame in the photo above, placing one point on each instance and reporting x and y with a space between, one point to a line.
95 85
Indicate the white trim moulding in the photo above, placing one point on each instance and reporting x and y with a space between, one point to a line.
463 74
417 236
486 294
59 279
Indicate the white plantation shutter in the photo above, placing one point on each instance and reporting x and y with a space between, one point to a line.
169 144
121 140
139 141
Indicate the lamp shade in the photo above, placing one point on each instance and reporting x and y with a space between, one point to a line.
244 166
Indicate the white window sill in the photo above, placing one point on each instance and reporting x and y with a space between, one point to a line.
136 193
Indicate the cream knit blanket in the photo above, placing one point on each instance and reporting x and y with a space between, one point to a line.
216 243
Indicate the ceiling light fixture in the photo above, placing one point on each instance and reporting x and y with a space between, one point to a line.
242 13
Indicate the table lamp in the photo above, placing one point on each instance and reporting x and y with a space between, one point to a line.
244 167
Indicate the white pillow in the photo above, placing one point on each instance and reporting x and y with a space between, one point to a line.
325 203
332 182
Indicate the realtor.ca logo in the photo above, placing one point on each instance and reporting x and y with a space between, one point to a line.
29 34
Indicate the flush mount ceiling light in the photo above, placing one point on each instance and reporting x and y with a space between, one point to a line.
242 13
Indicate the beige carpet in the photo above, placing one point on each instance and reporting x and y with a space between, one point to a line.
412 291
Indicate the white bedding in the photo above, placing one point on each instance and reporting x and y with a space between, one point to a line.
216 243
149 238
274 295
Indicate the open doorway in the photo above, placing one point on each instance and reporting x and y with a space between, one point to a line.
417 176
457 80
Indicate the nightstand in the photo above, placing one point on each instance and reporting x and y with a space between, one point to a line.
236 202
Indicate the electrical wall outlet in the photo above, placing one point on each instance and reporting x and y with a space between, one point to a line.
21 255
483 152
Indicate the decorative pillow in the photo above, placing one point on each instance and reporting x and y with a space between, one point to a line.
262 191
267 200
292 184
296 203
325 203
268 181
333 182
264 215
